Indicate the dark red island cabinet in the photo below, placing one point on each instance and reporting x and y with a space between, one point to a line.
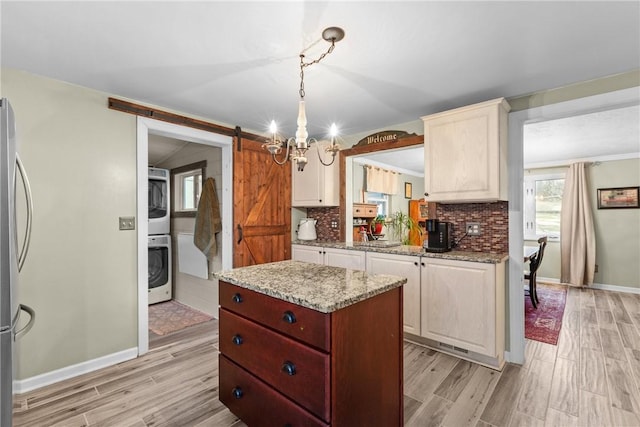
282 364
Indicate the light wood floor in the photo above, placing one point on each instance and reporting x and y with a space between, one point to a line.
590 379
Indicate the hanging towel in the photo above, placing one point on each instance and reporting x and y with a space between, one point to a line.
208 221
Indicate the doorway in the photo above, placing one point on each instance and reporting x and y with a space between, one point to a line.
517 121
145 127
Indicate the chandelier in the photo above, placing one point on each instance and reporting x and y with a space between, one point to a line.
295 148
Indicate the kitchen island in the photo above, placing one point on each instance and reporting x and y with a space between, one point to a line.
308 344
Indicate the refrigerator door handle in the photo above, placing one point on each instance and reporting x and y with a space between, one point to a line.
27 232
28 326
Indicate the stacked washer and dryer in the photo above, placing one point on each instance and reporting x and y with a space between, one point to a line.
159 236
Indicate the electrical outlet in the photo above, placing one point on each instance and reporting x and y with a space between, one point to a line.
334 224
473 229
127 222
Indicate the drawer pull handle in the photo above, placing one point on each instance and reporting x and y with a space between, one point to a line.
237 298
289 368
289 317
237 392
237 339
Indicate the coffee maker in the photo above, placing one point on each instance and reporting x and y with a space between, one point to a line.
439 236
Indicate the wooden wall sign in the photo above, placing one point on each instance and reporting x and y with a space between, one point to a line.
384 136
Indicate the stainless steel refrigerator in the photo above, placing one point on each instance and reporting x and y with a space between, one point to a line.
11 257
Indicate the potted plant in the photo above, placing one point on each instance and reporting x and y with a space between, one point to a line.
400 224
377 224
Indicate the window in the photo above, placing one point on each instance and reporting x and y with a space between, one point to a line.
380 199
542 205
187 186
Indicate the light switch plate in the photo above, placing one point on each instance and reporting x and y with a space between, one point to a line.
127 222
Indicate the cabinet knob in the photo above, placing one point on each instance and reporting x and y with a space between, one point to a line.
289 368
237 298
237 339
415 263
422 264
289 317
426 194
237 392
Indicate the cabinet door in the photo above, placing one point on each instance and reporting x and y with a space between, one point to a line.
465 153
365 210
317 185
404 266
345 258
314 254
459 304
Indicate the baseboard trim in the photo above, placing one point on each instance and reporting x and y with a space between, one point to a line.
29 384
601 286
615 288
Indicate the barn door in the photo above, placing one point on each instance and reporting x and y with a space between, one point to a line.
262 205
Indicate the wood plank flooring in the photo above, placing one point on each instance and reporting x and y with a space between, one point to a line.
590 378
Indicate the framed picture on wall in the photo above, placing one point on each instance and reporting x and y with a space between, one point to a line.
617 198
407 190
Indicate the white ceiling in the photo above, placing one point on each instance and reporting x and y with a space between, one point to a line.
236 63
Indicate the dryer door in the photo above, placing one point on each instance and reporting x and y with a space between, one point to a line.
157 198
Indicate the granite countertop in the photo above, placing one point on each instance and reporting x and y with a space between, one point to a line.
483 257
321 288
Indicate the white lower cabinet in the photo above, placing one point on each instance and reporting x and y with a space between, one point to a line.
463 305
450 305
405 266
314 254
346 258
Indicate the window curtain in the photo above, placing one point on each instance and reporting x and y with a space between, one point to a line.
381 180
577 236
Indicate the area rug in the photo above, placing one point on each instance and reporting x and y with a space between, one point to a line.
544 323
171 316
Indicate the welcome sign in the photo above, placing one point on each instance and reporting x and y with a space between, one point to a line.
384 136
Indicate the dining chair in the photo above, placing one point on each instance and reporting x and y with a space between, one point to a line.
531 275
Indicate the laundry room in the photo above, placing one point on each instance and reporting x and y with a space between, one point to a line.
178 269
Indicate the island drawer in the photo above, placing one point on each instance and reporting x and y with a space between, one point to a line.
296 370
305 324
256 403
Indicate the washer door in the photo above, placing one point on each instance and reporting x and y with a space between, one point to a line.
158 267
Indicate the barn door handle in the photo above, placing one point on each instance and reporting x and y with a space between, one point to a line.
239 233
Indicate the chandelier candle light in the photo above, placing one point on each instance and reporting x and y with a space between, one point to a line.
296 148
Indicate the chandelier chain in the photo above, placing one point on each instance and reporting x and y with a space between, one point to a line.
315 61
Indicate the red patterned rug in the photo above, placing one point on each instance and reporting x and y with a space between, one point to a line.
544 323
171 316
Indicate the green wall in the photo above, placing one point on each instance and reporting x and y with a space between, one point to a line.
80 273
617 230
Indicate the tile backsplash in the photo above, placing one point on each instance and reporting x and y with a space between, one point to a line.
493 219
494 225
325 216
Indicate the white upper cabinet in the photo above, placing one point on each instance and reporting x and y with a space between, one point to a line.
465 153
317 185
